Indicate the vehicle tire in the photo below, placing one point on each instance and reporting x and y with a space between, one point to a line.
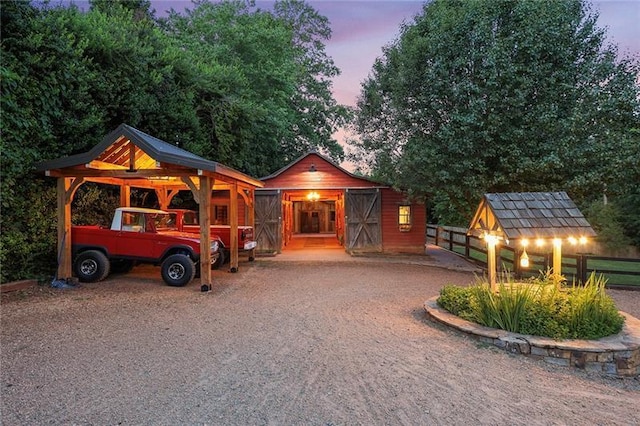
91 266
220 260
178 270
121 266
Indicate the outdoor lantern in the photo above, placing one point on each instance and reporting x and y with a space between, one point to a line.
524 259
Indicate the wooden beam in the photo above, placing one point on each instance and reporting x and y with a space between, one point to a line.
192 186
233 222
64 228
72 189
251 205
205 232
125 195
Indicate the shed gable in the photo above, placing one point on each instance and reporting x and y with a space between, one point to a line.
530 215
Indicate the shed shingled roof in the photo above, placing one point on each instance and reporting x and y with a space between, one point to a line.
532 215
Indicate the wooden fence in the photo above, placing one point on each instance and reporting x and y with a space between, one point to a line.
620 272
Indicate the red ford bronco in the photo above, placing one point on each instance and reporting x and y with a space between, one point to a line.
138 235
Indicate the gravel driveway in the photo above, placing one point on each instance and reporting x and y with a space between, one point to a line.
299 343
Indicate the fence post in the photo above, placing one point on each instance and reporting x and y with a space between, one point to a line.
582 270
450 240
517 270
467 241
437 235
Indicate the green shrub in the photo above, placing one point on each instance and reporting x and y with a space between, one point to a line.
457 300
538 307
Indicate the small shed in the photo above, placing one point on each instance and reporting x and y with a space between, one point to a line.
313 195
128 157
529 216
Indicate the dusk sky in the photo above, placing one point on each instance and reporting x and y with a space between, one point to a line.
361 28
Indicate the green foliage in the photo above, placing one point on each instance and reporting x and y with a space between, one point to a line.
606 220
500 96
235 84
457 300
538 307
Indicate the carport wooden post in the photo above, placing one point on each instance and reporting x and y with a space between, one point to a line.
204 203
64 227
252 216
125 196
233 222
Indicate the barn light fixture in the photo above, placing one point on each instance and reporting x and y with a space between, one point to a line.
313 196
312 168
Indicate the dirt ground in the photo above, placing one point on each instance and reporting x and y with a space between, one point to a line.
313 343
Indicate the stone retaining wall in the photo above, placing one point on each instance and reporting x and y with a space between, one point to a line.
617 355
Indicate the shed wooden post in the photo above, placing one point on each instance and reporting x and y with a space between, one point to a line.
233 222
64 227
491 261
557 258
204 195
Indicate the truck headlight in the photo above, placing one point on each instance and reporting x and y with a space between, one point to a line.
215 246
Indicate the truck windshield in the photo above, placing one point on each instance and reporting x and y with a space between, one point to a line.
165 222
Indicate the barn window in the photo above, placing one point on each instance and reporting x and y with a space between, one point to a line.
404 218
220 214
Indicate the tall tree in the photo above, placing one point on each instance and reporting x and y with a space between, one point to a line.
491 96
317 114
245 78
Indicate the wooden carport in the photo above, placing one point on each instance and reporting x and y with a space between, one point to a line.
128 157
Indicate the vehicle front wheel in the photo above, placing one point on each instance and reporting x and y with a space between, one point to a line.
222 258
178 270
91 266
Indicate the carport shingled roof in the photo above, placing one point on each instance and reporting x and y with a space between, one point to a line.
155 148
534 215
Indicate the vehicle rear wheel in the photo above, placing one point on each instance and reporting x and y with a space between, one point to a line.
91 266
178 270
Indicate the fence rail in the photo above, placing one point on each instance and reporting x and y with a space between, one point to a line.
620 272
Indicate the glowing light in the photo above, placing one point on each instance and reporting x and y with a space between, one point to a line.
572 240
583 240
313 196
525 242
539 242
491 239
557 242
524 259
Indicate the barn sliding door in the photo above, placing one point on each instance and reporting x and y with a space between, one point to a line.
363 220
268 215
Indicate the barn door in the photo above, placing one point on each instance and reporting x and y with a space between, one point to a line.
268 213
363 220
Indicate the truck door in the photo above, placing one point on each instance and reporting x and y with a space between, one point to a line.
133 240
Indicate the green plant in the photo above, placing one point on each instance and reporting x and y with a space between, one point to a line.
589 312
537 307
455 299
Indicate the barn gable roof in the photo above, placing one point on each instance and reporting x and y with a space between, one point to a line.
530 215
308 163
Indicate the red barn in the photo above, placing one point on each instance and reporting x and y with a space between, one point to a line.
312 195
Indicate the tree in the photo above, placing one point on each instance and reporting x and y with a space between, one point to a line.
483 96
317 114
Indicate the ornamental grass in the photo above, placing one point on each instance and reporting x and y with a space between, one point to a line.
538 307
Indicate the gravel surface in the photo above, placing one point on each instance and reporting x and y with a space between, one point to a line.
313 343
